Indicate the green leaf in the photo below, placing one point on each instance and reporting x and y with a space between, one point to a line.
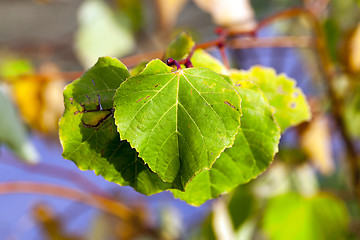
179 47
201 58
254 148
138 68
241 206
12 130
10 68
292 216
290 103
333 35
179 122
88 133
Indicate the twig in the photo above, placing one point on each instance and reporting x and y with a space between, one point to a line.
103 203
272 42
60 173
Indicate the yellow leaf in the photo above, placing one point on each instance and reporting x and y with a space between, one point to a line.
40 101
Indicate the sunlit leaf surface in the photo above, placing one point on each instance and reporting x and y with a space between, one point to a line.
180 121
288 100
255 146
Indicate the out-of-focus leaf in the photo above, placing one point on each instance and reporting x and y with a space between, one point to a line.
332 33
291 107
254 148
292 216
315 140
201 58
13 132
15 67
352 111
88 132
168 12
241 206
179 47
40 101
179 122
99 33
230 13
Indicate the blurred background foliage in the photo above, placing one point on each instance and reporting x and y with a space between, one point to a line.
311 191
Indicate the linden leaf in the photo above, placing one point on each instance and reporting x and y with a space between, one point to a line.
88 133
290 103
254 148
179 122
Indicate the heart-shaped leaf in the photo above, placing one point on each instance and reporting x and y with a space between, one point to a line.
179 122
88 133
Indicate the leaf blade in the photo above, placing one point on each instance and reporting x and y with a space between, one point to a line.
163 125
289 101
243 161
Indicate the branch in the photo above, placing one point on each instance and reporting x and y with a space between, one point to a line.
272 42
336 104
103 203
59 173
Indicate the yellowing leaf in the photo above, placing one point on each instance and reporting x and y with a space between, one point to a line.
39 100
289 101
